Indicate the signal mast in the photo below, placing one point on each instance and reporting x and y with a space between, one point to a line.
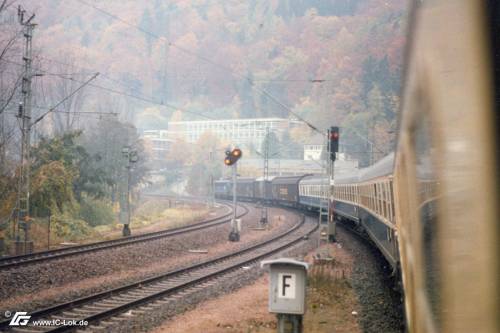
231 159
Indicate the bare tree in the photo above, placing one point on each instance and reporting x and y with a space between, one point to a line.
57 86
10 79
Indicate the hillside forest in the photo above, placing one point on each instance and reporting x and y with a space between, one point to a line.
327 62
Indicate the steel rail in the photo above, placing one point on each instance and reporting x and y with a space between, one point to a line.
15 261
152 292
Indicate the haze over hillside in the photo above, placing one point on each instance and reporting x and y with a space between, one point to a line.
326 63
215 57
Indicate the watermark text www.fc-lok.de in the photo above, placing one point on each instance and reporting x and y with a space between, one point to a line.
23 319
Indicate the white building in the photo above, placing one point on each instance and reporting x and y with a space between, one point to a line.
313 148
235 131
286 167
158 141
313 152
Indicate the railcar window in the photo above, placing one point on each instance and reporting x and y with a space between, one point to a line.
381 198
372 197
388 193
368 196
393 213
427 213
387 201
365 196
364 201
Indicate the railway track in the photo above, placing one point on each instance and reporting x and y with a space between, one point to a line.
103 310
37 257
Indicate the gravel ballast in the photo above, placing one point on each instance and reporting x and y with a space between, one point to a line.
40 285
381 305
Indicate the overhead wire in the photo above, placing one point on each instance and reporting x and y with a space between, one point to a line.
145 99
114 91
64 99
138 96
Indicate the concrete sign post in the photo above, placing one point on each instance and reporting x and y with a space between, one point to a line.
287 292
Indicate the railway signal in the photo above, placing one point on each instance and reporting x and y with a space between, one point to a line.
333 137
333 148
232 156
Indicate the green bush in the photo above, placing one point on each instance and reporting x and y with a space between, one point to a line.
67 227
96 212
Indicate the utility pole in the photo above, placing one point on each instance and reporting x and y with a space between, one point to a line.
211 192
48 230
324 205
333 140
131 157
23 204
235 173
263 217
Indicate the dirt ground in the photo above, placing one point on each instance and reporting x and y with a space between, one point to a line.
331 303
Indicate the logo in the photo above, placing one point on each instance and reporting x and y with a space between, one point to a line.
20 319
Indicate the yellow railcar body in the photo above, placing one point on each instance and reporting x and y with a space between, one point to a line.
445 177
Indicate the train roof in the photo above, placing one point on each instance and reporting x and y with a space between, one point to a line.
384 167
348 177
240 180
288 179
269 179
245 180
315 180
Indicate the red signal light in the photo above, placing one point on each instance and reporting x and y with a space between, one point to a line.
236 152
232 156
333 145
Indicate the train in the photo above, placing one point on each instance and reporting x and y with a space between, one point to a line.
432 207
364 197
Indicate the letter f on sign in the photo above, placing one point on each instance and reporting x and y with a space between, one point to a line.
286 285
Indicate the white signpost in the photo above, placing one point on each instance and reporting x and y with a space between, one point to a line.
287 292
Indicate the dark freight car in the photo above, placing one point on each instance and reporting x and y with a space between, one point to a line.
263 189
285 190
223 189
245 189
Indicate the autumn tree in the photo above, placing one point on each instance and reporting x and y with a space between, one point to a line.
205 164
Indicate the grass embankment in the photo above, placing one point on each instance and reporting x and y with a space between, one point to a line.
150 215
330 299
157 214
